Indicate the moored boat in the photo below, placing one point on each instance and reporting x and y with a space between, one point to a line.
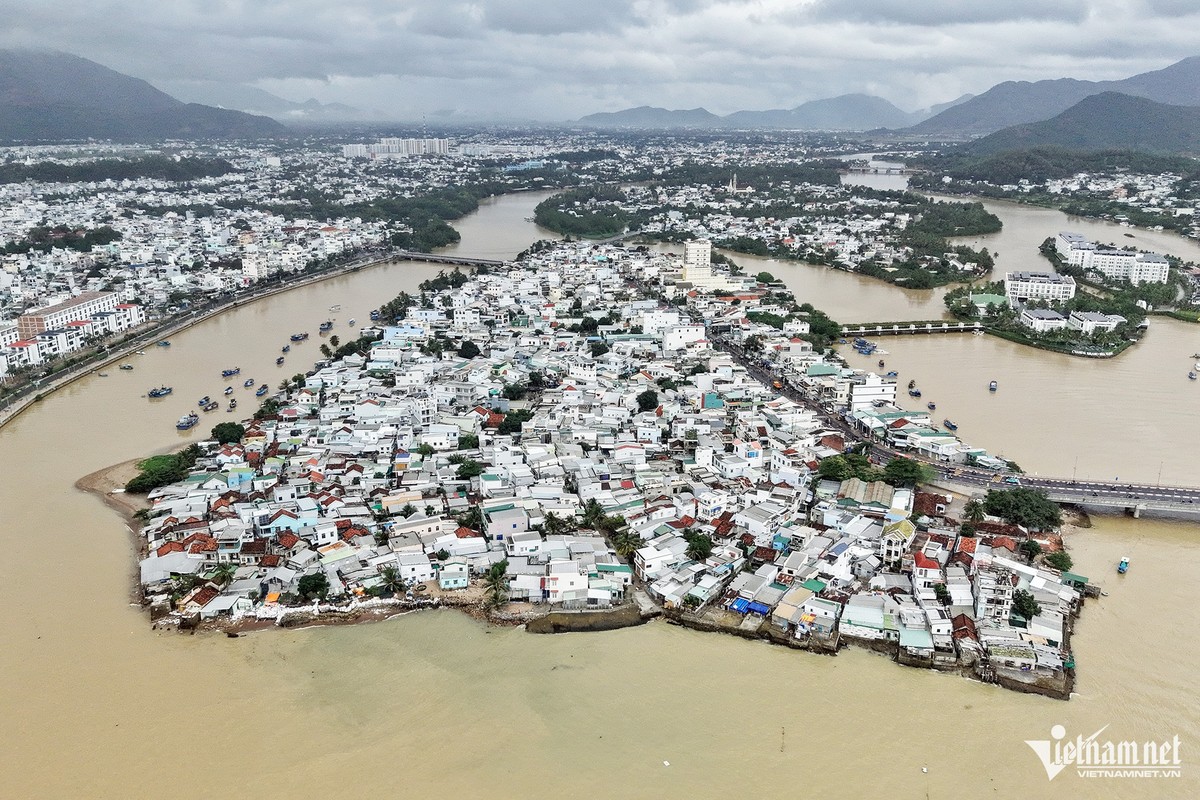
187 421
228 390
161 391
1191 376
914 392
1123 566
102 374
204 401
248 382
375 318
232 404
912 384
993 386
164 343
882 364
126 367
950 426
261 391
893 374
351 322
298 337
212 405
327 325
229 373
286 348
932 406
279 361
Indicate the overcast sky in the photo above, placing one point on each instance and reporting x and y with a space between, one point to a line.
560 59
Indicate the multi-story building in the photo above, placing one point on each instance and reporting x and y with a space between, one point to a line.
83 306
865 392
1020 287
1113 263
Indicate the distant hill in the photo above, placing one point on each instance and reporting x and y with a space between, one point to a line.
847 112
253 100
46 95
1017 102
1107 121
652 117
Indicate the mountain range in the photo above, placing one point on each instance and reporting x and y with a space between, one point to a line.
48 95
252 100
1106 121
849 112
1004 105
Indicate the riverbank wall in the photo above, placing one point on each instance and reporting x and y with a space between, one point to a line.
626 616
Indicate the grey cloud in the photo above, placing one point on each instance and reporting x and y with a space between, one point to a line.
948 12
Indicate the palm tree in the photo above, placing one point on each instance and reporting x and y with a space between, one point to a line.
392 581
593 512
556 524
626 542
223 574
496 582
973 511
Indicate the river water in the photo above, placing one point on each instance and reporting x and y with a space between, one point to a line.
98 705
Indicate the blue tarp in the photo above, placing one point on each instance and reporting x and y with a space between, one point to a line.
759 608
740 605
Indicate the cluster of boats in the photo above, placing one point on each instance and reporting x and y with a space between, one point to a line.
865 348
1192 372
913 391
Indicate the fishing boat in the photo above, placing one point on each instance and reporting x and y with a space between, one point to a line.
914 392
248 382
335 307
893 374
232 404
298 337
351 322
912 384
229 373
164 343
993 386
1123 567
187 421
375 318
204 401
881 364
932 406
140 352
287 348
102 374
211 405
327 325
126 367
228 390
950 426
279 361
261 391
161 391
1191 376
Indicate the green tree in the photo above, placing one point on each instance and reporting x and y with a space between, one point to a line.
425 450
1023 506
902 471
314 585
408 510
593 512
647 400
495 582
835 468
973 511
1025 605
626 542
942 593
699 545
469 469
513 391
392 581
468 349
1060 560
468 441
228 432
1030 548
224 573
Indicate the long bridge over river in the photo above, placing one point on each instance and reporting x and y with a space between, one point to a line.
448 258
910 328
1132 498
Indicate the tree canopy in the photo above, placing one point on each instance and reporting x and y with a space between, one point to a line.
1023 506
228 432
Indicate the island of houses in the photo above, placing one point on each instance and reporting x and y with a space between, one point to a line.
581 430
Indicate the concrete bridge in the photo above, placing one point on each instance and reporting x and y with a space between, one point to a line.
859 169
910 328
442 258
1131 498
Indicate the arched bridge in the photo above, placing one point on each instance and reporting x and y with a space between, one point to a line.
444 258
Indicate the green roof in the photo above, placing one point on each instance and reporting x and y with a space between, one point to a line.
623 568
813 585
